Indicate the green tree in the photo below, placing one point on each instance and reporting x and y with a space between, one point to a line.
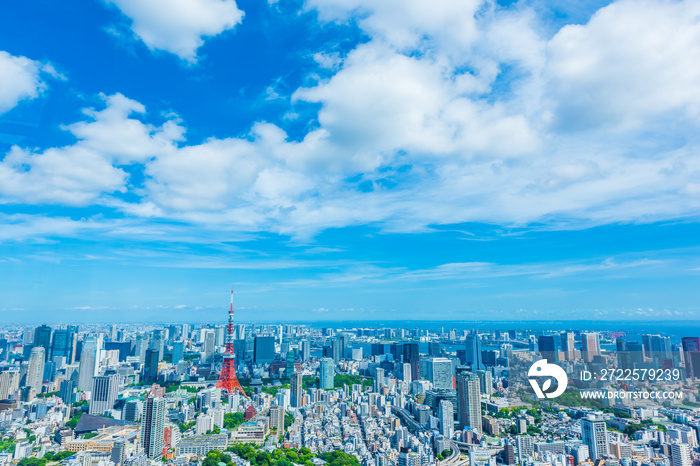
233 420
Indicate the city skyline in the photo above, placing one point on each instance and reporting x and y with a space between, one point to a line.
349 160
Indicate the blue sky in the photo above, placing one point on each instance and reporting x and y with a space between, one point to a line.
349 159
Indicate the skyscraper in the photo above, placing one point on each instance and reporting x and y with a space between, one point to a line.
473 352
209 345
594 434
304 350
447 415
66 392
63 343
297 391
150 367
590 346
438 371
327 369
549 347
264 351
277 419
379 379
152 424
406 372
178 351
691 355
411 355
680 454
469 401
105 389
485 382
88 364
35 371
42 337
567 345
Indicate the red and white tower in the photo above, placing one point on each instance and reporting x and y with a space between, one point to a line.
228 380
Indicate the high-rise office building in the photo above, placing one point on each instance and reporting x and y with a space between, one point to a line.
152 424
327 370
64 343
438 371
473 352
594 434
150 367
132 410
140 345
66 392
277 419
264 351
485 382
157 342
178 351
549 346
305 350
680 454
526 447
411 355
568 345
9 382
406 372
656 346
88 364
42 337
379 379
105 389
447 416
35 371
590 346
691 355
209 345
123 347
469 401
296 388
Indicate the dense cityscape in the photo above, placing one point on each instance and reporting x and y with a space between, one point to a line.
151 394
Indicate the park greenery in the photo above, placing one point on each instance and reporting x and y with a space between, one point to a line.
73 421
7 445
51 456
233 420
279 457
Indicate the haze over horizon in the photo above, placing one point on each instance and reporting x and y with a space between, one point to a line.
350 159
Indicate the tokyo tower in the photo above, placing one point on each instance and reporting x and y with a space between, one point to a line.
228 380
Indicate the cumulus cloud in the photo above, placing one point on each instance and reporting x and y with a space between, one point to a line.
179 26
632 62
21 79
79 173
421 125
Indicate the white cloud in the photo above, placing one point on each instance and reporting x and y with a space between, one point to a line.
633 61
179 26
411 133
79 173
20 78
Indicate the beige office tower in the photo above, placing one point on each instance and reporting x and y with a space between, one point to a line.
9 383
35 371
469 401
277 419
